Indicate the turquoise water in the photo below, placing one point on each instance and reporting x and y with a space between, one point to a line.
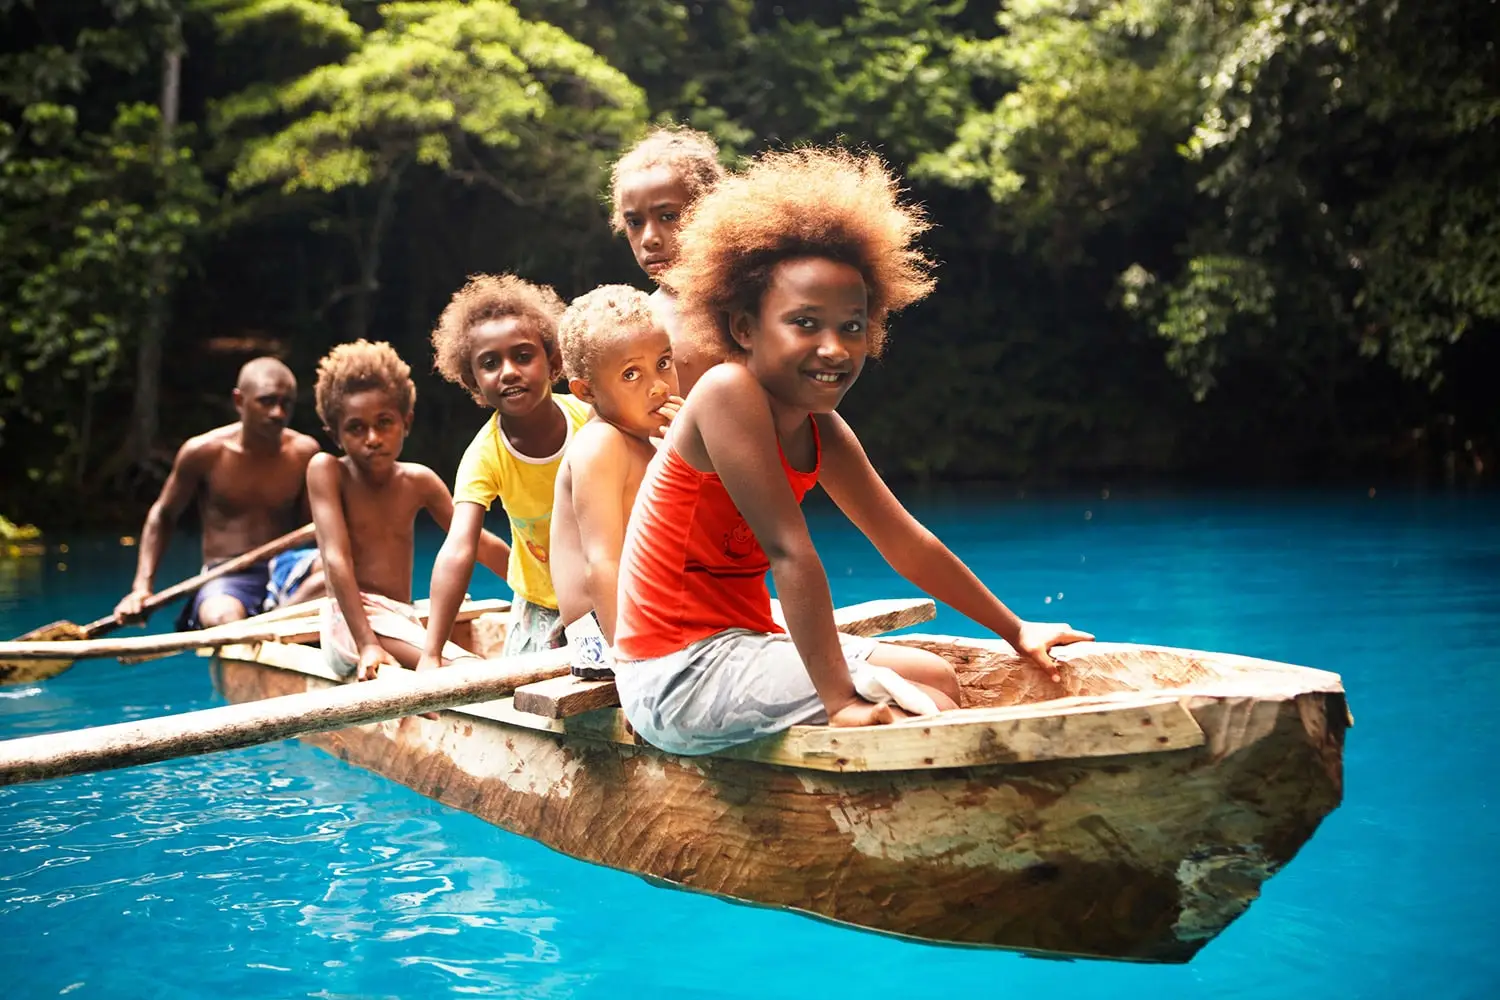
280 872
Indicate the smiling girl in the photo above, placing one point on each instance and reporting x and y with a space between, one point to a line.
791 269
498 339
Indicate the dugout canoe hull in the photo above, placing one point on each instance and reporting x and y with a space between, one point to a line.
1104 824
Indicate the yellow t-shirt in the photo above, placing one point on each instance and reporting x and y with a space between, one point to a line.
491 468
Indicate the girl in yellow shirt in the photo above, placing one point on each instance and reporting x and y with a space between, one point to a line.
498 339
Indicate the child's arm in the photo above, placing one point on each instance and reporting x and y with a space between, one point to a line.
600 468
492 553
916 553
731 417
450 578
327 506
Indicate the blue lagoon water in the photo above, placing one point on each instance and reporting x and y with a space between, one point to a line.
280 872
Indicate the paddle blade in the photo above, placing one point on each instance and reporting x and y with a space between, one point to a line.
32 671
57 631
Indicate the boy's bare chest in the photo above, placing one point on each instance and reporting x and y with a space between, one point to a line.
380 519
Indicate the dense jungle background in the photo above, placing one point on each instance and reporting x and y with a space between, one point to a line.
1182 241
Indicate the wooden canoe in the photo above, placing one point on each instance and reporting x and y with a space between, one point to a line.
1130 812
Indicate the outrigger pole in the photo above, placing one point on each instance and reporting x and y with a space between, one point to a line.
392 695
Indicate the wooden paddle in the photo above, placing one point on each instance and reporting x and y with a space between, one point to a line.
26 669
394 694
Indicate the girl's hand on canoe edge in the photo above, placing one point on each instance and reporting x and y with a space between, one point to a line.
1036 638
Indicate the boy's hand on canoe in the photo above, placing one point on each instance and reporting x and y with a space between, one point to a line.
1036 638
371 659
128 611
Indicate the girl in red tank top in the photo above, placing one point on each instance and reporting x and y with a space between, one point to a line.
792 267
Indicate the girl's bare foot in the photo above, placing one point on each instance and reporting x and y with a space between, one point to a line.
863 713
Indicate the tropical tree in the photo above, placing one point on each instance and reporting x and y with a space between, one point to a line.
471 91
1332 193
97 204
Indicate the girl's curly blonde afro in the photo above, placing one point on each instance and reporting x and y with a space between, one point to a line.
360 367
489 297
692 156
814 202
597 319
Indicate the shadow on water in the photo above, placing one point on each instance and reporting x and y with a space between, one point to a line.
279 871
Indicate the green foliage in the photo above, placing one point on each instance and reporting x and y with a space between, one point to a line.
85 215
1336 160
1097 91
451 86
1159 223
1198 314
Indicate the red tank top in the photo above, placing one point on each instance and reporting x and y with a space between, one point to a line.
691 565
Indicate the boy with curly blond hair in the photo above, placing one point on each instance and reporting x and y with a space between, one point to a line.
792 269
652 186
364 507
618 358
498 339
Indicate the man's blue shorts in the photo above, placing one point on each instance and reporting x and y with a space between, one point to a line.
248 586
259 588
287 572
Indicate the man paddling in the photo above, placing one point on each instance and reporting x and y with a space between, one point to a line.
249 478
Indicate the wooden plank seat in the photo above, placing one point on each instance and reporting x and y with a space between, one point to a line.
567 696
303 627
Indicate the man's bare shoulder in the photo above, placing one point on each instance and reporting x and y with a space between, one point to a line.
299 444
208 445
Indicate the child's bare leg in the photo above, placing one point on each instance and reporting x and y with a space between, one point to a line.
928 671
405 653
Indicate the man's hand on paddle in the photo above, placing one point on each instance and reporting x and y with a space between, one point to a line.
128 611
1036 638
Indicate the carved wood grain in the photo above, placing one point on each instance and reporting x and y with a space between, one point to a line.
1143 857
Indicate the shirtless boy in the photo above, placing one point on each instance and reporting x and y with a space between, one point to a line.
248 479
364 506
652 185
617 357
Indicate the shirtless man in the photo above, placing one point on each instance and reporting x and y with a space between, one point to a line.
248 478
364 506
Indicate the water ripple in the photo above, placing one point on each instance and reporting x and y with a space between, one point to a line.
280 872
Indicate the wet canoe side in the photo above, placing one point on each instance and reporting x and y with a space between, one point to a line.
1143 857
